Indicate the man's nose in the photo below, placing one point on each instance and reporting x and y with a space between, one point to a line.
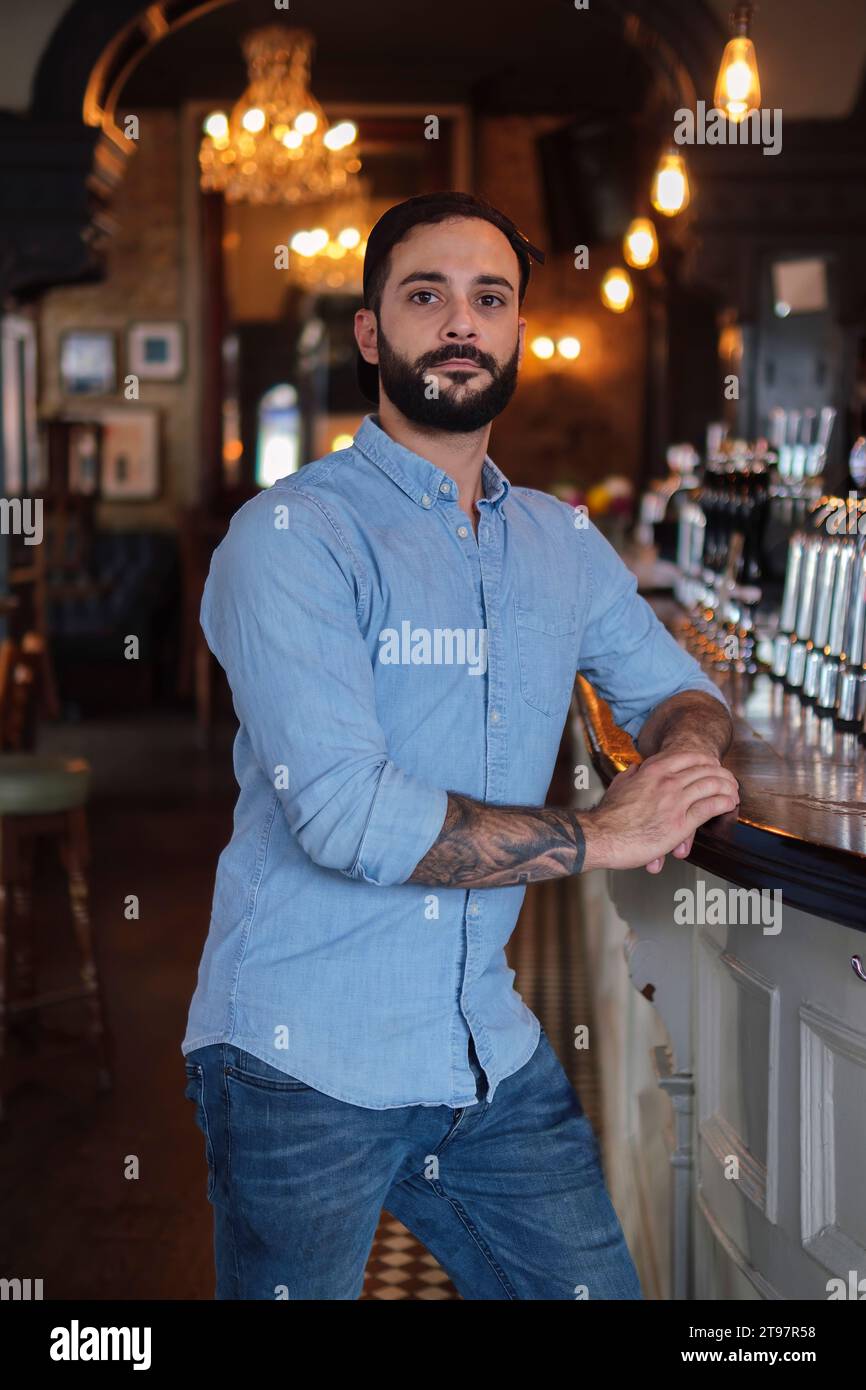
461 323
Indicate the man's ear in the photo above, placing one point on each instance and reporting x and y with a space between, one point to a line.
521 339
366 330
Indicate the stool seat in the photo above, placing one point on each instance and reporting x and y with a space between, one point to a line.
38 784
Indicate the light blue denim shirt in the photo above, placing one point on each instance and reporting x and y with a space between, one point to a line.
380 655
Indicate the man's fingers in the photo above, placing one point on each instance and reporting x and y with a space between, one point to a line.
707 807
683 850
719 777
655 866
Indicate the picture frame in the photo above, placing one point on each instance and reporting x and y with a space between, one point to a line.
156 349
88 362
130 465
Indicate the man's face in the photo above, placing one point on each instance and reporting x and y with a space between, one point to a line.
449 336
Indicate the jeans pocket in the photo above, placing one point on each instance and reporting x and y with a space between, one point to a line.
255 1072
194 1091
547 656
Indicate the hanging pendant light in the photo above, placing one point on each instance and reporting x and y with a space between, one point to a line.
738 86
640 245
617 291
670 192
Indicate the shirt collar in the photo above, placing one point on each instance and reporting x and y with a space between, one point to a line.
418 477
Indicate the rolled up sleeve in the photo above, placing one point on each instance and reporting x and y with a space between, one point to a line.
626 652
280 613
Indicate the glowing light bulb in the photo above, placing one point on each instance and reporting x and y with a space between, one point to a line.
640 245
340 135
543 347
617 292
342 441
738 86
306 122
216 125
568 347
253 120
349 237
292 139
670 191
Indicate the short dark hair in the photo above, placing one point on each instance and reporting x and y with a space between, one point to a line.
442 207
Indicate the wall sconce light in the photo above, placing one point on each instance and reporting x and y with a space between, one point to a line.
640 244
545 348
670 189
617 291
569 348
738 86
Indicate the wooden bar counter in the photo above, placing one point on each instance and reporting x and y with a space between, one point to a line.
801 824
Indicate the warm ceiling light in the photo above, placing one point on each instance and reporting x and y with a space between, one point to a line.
568 347
271 148
543 347
341 135
670 191
342 441
616 290
254 120
217 125
738 86
349 237
640 246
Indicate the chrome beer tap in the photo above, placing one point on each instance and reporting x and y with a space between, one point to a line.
812 548
831 548
851 694
828 675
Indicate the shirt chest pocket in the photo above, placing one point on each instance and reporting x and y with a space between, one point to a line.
546 655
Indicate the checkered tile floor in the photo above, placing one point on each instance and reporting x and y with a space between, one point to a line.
547 954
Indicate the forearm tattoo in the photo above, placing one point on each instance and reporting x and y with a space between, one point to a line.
483 846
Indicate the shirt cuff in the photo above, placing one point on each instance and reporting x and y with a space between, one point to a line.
405 820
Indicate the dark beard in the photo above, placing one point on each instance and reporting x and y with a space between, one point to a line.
404 384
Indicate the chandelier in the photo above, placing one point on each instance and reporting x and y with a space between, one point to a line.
277 146
328 255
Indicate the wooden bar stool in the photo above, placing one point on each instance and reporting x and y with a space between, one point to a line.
43 796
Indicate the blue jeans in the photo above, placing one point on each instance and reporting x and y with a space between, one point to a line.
509 1197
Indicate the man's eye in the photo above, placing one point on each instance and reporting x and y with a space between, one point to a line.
427 292
497 299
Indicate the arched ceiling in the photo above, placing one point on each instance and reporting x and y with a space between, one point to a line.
498 55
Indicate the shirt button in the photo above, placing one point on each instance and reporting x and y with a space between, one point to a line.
425 500
462 531
473 911
494 717
444 487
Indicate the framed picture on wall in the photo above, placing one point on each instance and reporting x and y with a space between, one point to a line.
88 362
129 466
156 351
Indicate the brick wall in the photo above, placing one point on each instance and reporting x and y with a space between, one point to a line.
143 281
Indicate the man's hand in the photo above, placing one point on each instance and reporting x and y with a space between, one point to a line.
691 722
655 807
